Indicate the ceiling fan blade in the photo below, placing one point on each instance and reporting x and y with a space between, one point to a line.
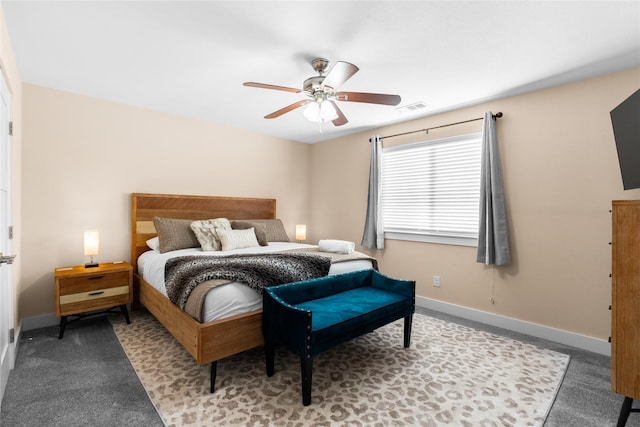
370 98
341 119
287 109
274 87
339 73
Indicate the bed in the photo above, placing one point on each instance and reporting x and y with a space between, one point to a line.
210 340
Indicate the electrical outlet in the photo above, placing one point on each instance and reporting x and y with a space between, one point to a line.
436 281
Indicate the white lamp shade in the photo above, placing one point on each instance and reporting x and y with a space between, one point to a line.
327 112
320 112
91 242
312 112
301 232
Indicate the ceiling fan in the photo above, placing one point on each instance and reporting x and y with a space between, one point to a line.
321 92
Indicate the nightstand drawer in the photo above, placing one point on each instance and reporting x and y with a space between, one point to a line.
95 294
88 284
94 300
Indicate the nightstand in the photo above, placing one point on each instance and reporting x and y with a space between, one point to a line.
80 291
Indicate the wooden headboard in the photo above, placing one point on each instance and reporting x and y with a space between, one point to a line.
144 207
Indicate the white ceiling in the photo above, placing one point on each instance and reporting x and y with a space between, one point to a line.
191 58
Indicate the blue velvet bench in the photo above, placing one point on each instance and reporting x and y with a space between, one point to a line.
316 315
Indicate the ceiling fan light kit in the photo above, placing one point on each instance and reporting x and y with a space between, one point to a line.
320 109
320 112
321 89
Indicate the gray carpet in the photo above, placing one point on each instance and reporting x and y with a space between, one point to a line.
86 380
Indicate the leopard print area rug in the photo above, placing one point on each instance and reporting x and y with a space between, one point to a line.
451 375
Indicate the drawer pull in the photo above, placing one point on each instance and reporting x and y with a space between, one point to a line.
92 294
96 277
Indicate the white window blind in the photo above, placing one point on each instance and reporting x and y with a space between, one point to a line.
432 189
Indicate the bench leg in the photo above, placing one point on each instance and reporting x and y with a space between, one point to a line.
269 354
407 331
306 369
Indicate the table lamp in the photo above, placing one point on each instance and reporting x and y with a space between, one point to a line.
91 246
301 232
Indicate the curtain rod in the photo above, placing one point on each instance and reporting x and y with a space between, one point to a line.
495 116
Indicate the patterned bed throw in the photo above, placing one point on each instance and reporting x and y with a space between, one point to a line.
183 274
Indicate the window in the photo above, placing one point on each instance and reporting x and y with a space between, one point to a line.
431 190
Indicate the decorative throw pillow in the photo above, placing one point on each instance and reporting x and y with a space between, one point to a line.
275 229
237 239
260 230
174 234
206 232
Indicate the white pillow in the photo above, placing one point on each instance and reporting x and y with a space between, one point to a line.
154 243
237 239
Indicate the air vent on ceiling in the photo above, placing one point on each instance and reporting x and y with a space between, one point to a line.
412 108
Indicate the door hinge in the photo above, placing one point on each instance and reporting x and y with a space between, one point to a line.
11 232
12 335
6 259
10 128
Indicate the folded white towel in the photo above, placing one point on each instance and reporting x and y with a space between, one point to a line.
337 246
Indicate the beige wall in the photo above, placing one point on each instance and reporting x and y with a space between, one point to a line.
82 157
9 69
560 172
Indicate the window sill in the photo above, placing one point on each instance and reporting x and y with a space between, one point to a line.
432 238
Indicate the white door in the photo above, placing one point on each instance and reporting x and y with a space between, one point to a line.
6 283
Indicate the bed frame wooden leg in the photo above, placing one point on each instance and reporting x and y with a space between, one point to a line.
306 370
407 331
214 370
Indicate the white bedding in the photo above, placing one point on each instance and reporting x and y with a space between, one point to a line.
234 298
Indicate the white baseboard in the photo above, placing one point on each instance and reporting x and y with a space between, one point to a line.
584 342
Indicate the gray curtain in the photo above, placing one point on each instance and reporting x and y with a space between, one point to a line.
373 236
493 234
